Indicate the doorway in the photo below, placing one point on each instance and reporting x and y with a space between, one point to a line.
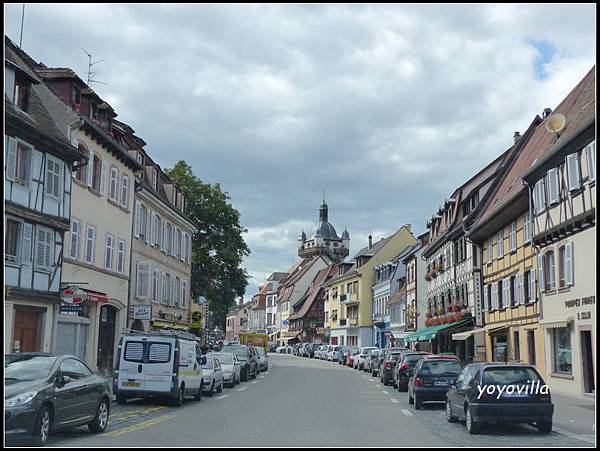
26 327
106 339
587 361
531 346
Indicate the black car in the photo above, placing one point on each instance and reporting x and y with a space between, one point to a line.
45 392
404 368
432 377
527 402
386 365
248 359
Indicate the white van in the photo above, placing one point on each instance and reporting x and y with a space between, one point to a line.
159 364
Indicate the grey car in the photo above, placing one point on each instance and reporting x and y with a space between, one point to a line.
230 365
212 376
45 392
263 359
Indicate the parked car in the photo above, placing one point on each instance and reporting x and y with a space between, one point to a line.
263 359
386 365
44 393
362 356
273 347
404 368
309 350
230 366
334 353
319 351
524 406
431 378
247 359
325 352
148 365
212 376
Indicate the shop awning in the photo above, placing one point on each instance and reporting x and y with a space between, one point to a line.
490 328
429 333
96 296
166 325
555 324
274 334
399 335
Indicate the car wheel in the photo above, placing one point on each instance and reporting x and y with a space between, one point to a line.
178 401
212 389
544 427
418 403
121 399
244 376
472 426
198 395
449 417
100 423
42 427
411 400
220 389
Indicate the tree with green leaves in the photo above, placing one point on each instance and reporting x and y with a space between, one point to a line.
218 247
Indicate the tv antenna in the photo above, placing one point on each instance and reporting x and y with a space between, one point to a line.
91 73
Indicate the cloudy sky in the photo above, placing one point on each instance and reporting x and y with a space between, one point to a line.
386 108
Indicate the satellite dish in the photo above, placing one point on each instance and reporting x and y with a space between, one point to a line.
555 123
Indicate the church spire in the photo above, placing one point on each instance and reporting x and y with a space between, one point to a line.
323 210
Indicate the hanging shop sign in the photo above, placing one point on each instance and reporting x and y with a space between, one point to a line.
142 312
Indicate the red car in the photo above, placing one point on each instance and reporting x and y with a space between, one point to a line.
352 354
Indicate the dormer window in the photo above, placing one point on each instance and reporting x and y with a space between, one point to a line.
140 158
155 179
22 87
183 203
174 199
76 96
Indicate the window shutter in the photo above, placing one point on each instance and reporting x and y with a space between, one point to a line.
183 293
573 171
541 273
553 194
531 285
152 228
591 158
49 237
11 159
569 263
75 239
40 241
125 192
147 225
90 168
494 296
143 279
520 289
26 246
485 298
103 177
163 244
164 297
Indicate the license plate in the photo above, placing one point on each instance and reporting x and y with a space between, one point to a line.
131 384
440 383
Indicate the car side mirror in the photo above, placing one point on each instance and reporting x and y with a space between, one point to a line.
59 380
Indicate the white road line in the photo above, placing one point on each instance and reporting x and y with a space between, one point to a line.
378 385
371 380
242 389
254 382
394 400
222 397
385 392
406 412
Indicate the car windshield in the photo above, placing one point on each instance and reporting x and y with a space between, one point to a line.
208 365
510 375
241 351
261 352
225 359
413 359
337 348
440 368
28 367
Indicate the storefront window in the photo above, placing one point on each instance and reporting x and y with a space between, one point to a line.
499 348
561 349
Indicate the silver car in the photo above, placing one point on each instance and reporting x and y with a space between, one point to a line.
212 376
263 359
230 365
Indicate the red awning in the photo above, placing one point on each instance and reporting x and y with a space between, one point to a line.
96 296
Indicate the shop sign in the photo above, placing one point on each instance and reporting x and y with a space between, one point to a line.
478 309
580 301
71 308
196 320
73 295
142 312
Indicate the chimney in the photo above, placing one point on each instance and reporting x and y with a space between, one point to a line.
547 112
516 137
370 241
408 227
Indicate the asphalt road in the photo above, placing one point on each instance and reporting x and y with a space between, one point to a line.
299 402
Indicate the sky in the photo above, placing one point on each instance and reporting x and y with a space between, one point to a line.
386 108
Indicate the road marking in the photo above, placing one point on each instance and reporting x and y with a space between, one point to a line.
385 391
242 389
394 400
371 380
137 427
254 382
222 397
378 385
406 412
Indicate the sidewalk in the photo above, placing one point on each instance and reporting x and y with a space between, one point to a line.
575 417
